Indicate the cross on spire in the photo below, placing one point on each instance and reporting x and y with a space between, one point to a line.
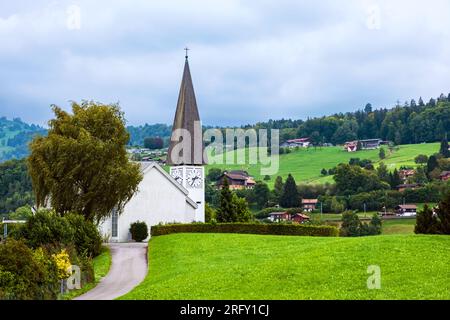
187 49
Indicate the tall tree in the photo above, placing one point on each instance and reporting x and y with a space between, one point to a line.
290 197
443 214
426 222
432 163
382 172
278 188
226 212
368 108
444 148
261 194
82 165
382 154
395 179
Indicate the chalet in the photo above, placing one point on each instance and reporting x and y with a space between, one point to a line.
309 204
369 144
301 143
280 216
412 186
238 180
406 210
445 176
300 218
406 174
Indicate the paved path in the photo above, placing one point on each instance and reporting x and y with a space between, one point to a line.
128 269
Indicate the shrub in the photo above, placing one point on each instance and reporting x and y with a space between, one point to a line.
26 275
46 227
87 238
353 227
139 231
247 228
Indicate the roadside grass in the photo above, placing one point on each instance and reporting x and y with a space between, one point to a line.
239 267
101 264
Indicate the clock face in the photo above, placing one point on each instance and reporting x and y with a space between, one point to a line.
195 178
177 174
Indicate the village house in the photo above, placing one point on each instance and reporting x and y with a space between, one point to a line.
285 217
309 205
369 144
445 176
411 186
300 218
301 143
406 174
406 210
238 180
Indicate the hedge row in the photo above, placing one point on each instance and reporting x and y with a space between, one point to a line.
247 228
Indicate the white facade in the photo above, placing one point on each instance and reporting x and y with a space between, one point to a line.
159 199
192 178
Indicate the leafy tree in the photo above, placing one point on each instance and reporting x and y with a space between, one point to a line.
382 154
324 172
261 194
432 163
15 186
444 148
443 214
290 197
353 179
243 213
383 173
267 178
394 179
351 225
336 205
22 213
375 225
210 214
421 159
153 143
82 165
214 174
426 222
368 108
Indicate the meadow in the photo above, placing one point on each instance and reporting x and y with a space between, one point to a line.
235 267
306 164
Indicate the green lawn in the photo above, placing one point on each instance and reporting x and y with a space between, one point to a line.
305 164
230 266
101 265
399 226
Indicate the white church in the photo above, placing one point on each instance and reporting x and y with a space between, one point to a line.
162 197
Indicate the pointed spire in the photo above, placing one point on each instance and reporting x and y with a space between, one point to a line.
186 118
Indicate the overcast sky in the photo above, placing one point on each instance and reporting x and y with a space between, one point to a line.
250 60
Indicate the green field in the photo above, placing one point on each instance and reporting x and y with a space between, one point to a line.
305 164
230 266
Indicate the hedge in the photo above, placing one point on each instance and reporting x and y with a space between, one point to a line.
247 228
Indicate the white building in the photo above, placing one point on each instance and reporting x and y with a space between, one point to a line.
160 199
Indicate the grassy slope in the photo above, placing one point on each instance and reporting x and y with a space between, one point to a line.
306 164
101 265
217 266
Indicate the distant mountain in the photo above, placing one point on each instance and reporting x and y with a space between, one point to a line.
15 136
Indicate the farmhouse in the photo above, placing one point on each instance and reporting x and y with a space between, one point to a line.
369 144
301 143
279 216
445 176
238 180
406 210
406 174
300 218
309 204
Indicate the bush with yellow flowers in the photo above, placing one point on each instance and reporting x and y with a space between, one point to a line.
63 264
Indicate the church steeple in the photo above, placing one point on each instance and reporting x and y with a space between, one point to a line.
187 117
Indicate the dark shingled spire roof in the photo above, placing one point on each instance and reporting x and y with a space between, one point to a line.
188 118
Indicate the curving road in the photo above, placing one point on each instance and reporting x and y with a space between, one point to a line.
128 269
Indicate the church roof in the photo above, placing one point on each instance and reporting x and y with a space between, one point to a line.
146 166
187 118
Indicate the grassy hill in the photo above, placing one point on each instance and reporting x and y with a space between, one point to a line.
218 266
305 164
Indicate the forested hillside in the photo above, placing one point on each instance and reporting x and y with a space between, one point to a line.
15 185
413 122
15 136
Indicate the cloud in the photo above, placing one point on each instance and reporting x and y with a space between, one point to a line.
250 60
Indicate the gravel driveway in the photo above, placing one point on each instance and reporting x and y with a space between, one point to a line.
128 269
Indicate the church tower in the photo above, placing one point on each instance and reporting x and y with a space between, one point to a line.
185 155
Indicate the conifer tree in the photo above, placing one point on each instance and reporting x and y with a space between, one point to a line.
226 212
290 197
426 223
443 215
444 148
